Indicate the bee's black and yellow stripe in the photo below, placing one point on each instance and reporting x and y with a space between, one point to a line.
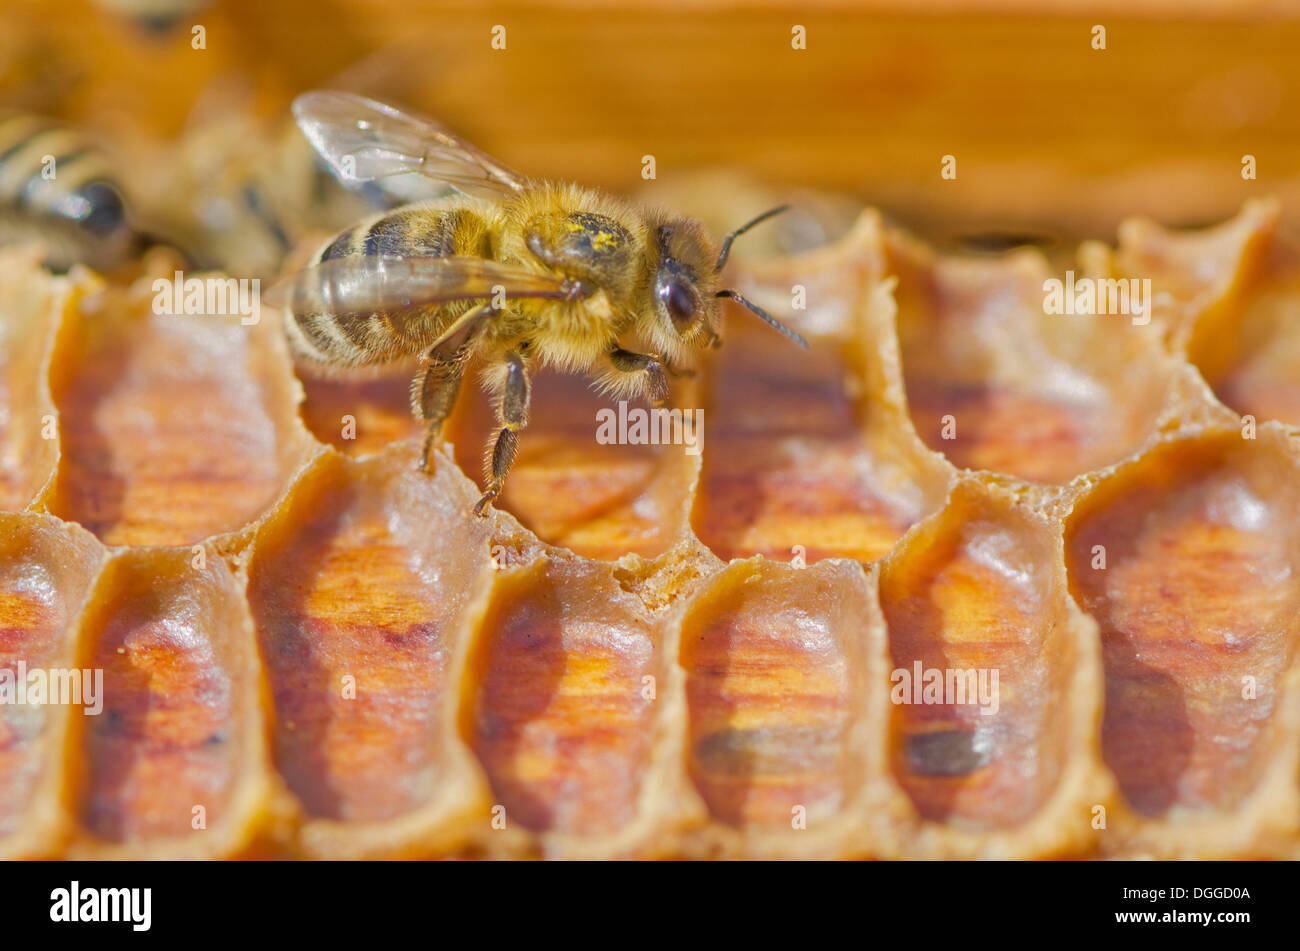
430 230
80 199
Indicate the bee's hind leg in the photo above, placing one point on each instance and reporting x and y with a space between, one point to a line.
433 394
512 415
652 368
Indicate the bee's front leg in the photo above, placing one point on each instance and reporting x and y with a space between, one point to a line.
652 368
512 416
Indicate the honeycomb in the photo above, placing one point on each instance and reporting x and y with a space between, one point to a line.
311 649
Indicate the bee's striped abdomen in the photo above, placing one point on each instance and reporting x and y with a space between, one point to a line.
431 230
53 184
412 231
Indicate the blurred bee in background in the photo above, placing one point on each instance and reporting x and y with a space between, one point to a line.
509 271
241 192
56 187
156 16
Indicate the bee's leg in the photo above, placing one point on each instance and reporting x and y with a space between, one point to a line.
652 367
434 394
512 414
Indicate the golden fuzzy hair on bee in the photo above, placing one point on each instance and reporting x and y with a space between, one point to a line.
510 273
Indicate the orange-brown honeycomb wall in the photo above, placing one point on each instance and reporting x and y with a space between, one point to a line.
309 648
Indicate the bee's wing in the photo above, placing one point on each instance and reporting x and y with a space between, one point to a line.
367 141
369 284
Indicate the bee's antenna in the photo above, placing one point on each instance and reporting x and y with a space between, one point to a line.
763 315
253 202
726 243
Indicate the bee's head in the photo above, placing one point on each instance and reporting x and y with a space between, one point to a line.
685 304
686 296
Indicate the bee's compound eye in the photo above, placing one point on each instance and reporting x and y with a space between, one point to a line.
99 208
680 302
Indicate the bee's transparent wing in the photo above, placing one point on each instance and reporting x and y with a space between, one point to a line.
380 284
367 141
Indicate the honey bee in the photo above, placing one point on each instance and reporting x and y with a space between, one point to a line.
156 16
509 271
56 186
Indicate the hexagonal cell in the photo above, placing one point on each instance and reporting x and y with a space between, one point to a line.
181 726
984 654
994 382
600 499
46 570
174 428
777 688
360 585
799 452
27 311
1199 277
562 702
1187 558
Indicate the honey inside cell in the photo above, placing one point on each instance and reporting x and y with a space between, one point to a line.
563 698
787 456
599 499
174 645
361 414
976 611
357 603
1187 558
995 382
775 666
173 428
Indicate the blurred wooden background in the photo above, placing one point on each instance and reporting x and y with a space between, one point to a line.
1046 131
